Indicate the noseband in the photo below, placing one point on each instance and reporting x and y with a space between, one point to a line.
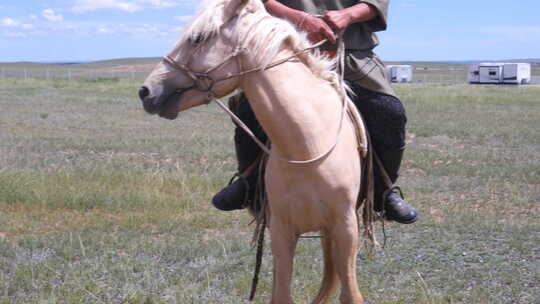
204 82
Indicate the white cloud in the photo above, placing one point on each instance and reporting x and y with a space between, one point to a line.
105 30
83 6
160 3
129 6
27 26
15 24
15 34
51 15
183 18
8 22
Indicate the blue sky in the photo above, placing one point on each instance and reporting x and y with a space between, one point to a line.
85 30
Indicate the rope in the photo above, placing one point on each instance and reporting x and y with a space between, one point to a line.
274 64
258 259
261 228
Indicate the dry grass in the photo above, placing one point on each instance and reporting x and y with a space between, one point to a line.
101 203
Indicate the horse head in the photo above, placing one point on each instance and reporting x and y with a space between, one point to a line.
204 62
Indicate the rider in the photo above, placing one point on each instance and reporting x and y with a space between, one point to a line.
365 73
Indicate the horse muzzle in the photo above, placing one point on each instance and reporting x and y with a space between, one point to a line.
150 103
162 104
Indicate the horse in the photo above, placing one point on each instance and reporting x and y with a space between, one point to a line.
299 100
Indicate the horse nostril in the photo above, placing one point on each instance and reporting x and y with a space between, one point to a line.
143 92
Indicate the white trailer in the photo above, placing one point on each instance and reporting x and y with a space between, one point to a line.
400 73
500 73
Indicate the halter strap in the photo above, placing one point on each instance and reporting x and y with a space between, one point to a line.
205 83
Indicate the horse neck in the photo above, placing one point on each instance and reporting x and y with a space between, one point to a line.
299 111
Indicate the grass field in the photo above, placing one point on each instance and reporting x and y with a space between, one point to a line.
101 203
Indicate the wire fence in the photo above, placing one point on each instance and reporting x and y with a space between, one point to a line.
420 76
72 74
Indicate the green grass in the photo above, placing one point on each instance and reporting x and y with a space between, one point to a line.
102 203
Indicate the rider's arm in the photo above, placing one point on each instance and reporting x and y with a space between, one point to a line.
316 28
373 12
379 21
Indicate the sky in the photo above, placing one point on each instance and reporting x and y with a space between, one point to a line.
418 30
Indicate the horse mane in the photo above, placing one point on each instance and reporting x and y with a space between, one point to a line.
277 32
205 22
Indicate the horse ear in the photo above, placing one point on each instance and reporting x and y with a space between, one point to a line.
251 5
242 4
233 7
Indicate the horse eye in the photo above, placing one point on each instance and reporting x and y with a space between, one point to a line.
195 39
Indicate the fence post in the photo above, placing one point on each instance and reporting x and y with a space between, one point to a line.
2 73
69 74
47 74
25 74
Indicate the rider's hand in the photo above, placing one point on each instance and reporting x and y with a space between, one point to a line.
338 20
316 28
341 19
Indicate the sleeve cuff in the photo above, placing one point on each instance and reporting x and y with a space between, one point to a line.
379 23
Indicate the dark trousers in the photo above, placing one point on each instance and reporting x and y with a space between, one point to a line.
385 120
384 116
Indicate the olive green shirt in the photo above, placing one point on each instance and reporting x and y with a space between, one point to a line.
362 65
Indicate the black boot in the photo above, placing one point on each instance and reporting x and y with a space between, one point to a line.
395 207
241 193
237 195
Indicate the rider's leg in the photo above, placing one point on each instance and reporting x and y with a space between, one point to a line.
241 192
385 120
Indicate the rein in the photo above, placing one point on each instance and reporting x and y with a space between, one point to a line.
204 82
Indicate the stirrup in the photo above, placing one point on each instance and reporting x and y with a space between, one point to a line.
395 189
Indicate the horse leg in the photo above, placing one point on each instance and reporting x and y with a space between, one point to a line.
283 246
330 277
344 235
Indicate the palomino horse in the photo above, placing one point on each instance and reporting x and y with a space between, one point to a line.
299 102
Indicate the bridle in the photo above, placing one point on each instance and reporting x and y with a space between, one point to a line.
204 82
